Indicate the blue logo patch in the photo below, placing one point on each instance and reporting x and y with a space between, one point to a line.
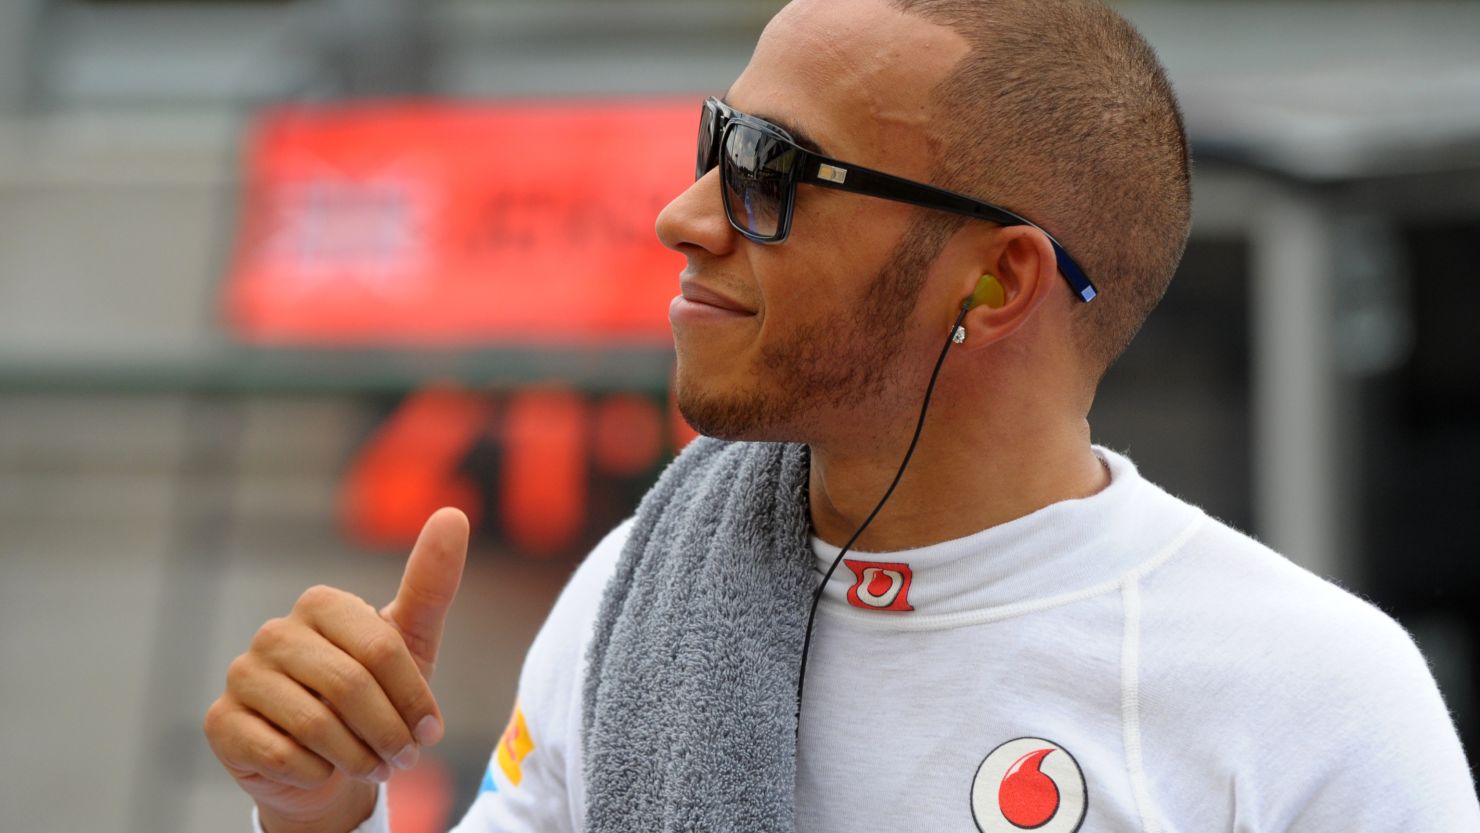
489 786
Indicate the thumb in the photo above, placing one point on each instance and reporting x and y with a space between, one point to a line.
433 573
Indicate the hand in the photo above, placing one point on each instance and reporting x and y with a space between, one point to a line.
331 699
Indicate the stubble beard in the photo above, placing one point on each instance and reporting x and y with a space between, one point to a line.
829 367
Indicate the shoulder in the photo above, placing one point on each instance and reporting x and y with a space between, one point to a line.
1211 593
563 637
1265 661
1228 589
1229 605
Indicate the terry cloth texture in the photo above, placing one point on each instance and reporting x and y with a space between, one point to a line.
689 707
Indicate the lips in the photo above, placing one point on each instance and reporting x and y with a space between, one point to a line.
699 294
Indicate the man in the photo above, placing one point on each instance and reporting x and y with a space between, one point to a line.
1027 635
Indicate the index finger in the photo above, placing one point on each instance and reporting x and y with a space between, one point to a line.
377 671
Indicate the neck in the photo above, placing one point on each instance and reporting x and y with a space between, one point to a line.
966 475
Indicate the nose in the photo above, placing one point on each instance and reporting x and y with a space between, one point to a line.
696 217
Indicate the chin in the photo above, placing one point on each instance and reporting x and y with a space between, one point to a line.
717 417
732 414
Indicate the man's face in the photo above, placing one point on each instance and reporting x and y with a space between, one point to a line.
826 330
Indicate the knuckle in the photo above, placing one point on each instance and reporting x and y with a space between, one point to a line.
344 681
317 596
238 672
272 634
382 649
212 724
273 756
313 727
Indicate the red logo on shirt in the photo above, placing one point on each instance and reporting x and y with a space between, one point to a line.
879 586
1029 784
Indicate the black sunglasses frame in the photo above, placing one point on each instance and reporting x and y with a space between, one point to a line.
815 169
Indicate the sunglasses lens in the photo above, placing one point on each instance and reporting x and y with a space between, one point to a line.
708 141
758 174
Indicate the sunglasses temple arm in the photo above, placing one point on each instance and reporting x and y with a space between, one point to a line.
860 180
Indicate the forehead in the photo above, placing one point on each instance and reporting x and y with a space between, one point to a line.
855 76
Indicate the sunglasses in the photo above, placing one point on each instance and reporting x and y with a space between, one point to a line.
760 166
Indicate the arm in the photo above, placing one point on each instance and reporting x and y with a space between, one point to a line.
1396 763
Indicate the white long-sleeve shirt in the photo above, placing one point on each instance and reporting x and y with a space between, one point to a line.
1116 663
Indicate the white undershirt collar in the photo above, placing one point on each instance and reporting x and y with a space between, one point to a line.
1061 548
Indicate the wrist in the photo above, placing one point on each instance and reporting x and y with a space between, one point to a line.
348 812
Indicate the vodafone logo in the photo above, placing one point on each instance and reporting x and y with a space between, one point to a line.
1029 784
879 586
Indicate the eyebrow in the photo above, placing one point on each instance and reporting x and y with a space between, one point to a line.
803 139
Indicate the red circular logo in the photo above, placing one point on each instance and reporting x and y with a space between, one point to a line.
1029 784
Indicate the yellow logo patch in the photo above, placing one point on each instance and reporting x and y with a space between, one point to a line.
514 747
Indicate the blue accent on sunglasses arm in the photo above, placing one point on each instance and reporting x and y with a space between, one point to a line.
1078 281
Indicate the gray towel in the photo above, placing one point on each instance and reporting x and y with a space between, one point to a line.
689 706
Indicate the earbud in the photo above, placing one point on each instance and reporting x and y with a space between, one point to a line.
988 291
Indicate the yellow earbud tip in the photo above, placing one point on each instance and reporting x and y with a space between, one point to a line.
988 291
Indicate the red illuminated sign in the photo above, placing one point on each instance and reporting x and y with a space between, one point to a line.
544 470
457 225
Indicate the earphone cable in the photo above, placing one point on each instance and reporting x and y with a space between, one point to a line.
915 440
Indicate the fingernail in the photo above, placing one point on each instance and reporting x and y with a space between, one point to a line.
428 731
381 774
406 758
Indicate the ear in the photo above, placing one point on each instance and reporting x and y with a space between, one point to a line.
1023 262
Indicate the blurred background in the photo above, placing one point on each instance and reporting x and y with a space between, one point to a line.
279 277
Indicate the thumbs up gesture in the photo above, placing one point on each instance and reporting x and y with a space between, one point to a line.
334 697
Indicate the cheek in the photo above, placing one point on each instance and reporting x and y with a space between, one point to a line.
799 284
857 232
833 253
837 246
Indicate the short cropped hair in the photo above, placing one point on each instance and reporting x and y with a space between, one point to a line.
1062 112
